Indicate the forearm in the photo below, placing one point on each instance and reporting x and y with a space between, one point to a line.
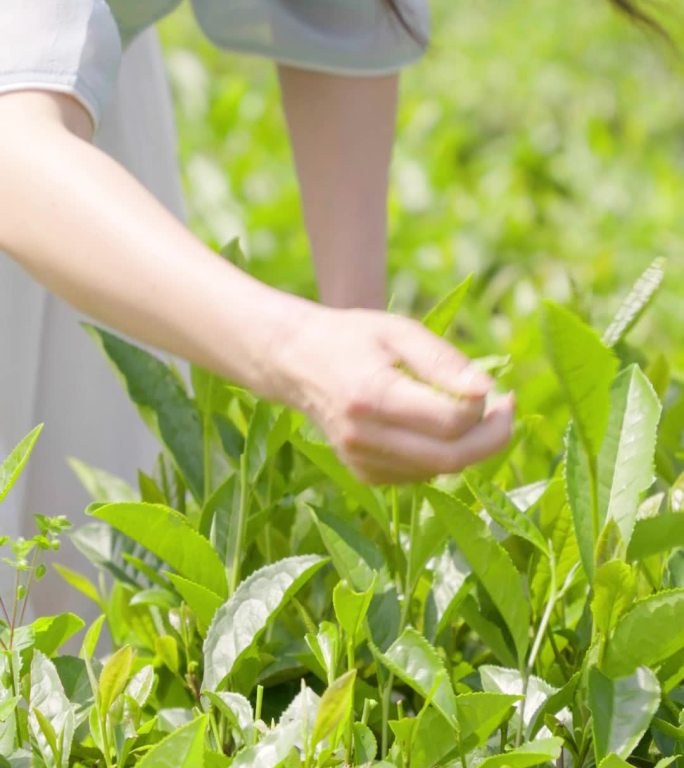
342 131
86 229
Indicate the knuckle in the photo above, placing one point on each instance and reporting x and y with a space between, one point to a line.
452 422
451 462
359 403
351 436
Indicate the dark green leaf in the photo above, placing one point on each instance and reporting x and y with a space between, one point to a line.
489 561
163 403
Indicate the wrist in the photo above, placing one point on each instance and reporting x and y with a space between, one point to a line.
267 325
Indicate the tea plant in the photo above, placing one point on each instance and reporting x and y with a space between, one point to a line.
267 609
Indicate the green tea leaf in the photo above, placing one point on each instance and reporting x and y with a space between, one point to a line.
614 592
169 535
414 661
625 462
50 632
579 490
449 588
335 707
440 317
237 709
365 744
109 550
355 557
504 511
166 648
647 634
351 607
114 677
162 401
653 535
242 619
429 536
325 646
79 582
536 693
202 601
12 466
532 753
184 748
489 561
491 634
636 303
51 716
428 738
92 637
621 710
480 714
101 485
585 368
323 457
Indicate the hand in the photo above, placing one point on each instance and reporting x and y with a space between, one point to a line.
398 403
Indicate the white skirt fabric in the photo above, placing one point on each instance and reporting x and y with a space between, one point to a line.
51 371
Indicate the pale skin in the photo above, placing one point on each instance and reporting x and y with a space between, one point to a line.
85 228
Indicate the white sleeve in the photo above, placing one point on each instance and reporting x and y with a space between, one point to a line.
343 36
70 46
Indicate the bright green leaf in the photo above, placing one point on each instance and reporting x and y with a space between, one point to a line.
585 368
240 621
614 592
480 714
440 317
335 707
169 535
647 634
532 753
636 303
202 601
12 466
351 607
621 710
625 462
184 748
653 535
114 677
414 661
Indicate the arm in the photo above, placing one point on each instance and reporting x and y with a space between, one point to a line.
342 131
85 228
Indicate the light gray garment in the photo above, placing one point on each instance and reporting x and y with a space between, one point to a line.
50 369
75 45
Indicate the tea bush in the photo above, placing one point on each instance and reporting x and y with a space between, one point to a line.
267 609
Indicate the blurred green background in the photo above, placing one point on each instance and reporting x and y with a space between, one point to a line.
541 147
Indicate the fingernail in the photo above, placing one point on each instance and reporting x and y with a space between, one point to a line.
472 379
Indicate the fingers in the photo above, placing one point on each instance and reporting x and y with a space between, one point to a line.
385 453
397 400
436 361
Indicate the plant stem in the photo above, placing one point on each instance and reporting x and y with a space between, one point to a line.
105 741
242 525
14 609
536 645
4 611
408 589
34 564
386 703
206 441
